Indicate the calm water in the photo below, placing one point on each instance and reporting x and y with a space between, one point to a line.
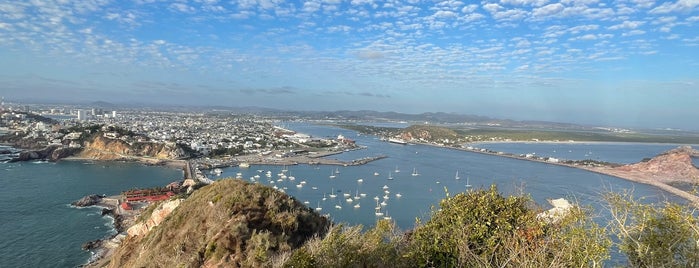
38 226
40 229
437 168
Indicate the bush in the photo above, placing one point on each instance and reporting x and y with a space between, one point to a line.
665 235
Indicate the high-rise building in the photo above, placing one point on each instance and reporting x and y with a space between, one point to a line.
82 115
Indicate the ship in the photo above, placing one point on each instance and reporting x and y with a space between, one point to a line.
397 141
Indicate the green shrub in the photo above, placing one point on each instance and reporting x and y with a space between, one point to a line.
665 235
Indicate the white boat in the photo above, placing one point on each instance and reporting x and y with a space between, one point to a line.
318 208
385 216
349 200
299 185
376 173
332 193
398 195
356 195
360 180
390 177
324 198
346 195
332 175
385 187
362 195
314 188
244 165
396 170
357 205
306 202
338 206
376 198
378 212
415 172
468 185
337 171
218 171
457 175
397 141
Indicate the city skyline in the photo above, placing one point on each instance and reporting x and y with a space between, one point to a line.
627 63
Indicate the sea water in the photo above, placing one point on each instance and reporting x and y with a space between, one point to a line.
38 226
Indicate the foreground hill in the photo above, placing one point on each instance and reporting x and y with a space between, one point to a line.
230 223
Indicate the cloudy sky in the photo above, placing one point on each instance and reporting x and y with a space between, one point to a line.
625 62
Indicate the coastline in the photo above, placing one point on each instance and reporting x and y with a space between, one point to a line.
637 177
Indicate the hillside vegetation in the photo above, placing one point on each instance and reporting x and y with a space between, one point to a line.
232 223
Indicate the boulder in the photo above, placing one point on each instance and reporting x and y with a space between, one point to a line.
86 201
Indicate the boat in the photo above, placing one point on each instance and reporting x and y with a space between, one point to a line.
385 215
457 175
415 173
349 200
306 202
357 205
346 195
376 173
396 170
332 175
332 193
337 171
397 141
324 198
468 185
299 185
338 207
378 212
218 171
356 195
385 187
314 188
360 180
398 195
390 177
244 165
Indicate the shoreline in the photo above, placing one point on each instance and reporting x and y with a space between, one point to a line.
605 170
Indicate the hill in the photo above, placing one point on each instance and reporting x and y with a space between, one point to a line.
230 223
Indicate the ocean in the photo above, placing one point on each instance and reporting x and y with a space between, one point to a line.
41 229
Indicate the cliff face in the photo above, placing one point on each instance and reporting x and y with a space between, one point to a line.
103 148
156 217
672 166
230 223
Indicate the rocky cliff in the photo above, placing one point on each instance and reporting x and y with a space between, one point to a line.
157 216
103 148
230 223
671 166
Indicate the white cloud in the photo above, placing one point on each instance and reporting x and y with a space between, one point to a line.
184 8
633 32
548 10
679 6
444 14
626 25
524 2
469 8
693 19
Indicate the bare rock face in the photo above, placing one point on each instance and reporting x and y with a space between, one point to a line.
87 201
103 148
155 219
672 166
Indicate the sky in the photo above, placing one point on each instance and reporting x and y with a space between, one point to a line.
628 63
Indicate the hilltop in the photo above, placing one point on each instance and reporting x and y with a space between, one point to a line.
230 223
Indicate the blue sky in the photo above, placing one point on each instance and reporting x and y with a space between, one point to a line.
626 63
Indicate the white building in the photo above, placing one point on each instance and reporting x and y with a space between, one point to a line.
82 115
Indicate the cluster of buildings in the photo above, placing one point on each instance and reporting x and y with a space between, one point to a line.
208 134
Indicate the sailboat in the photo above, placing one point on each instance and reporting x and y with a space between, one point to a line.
457 175
389 176
397 170
378 212
318 207
332 193
415 172
468 185
332 174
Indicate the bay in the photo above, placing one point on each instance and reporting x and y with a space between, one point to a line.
40 229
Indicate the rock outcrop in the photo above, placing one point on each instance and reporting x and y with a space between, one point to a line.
669 167
87 201
156 217
103 148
